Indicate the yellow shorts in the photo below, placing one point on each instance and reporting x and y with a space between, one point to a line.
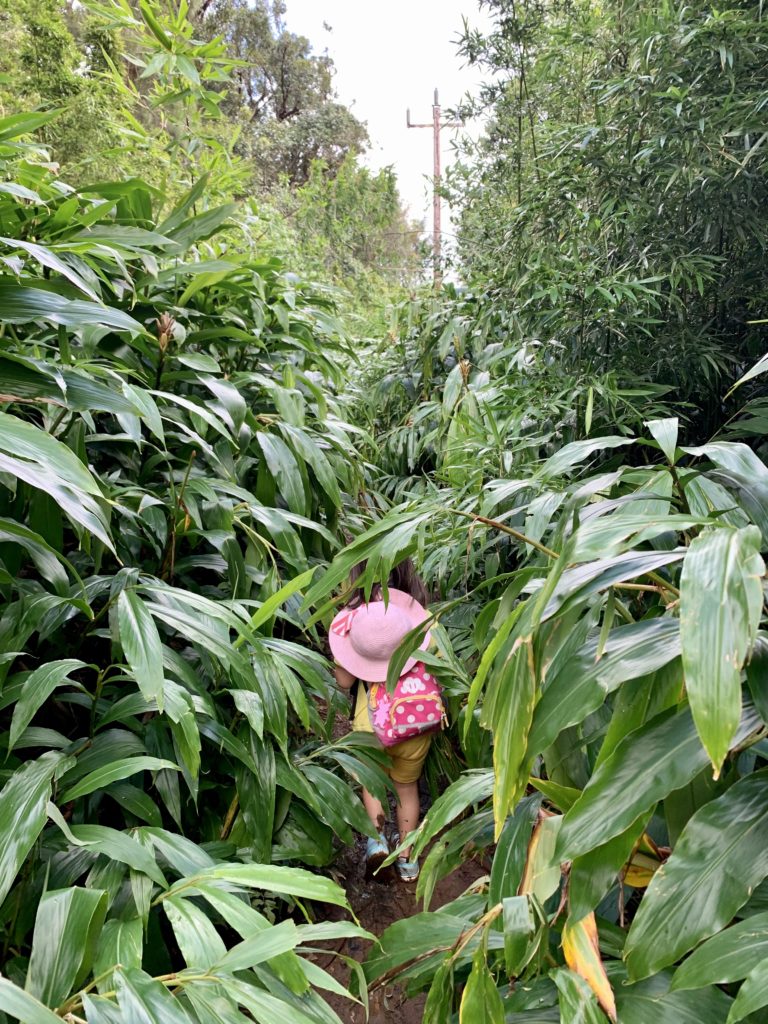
407 758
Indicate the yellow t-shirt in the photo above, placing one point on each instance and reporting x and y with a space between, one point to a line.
361 720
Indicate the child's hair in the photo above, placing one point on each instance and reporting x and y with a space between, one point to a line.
403 577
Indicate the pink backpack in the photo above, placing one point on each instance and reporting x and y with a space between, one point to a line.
415 707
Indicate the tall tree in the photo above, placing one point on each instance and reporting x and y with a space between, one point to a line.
283 97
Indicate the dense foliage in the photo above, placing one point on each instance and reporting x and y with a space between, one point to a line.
175 463
194 454
616 206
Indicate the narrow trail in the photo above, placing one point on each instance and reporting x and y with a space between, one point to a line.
378 905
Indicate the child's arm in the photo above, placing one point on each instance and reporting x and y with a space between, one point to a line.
343 678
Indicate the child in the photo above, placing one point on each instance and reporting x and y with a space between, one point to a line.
363 637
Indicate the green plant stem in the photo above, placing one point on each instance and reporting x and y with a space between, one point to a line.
661 583
506 529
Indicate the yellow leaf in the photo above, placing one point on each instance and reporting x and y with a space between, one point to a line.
640 870
583 956
541 876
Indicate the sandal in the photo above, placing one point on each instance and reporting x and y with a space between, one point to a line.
376 852
408 870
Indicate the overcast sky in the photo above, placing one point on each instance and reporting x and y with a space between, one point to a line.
389 55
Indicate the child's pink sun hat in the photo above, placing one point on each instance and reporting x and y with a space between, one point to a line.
363 639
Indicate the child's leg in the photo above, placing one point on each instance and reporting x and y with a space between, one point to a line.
407 811
375 810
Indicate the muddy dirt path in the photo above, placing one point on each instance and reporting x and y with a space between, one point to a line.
378 905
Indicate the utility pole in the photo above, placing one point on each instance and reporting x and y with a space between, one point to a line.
436 125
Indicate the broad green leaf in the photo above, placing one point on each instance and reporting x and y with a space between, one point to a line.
247 922
594 874
101 1010
331 930
212 1007
23 802
284 470
109 773
572 454
47 560
581 685
280 938
645 766
121 942
664 432
579 583
728 956
141 644
438 1007
266 1008
316 458
752 996
481 1000
519 928
290 881
337 804
24 1007
510 855
737 457
697 892
120 847
471 787
651 1001
754 371
514 697
146 1001
410 938
270 606
640 700
577 1002
720 603
35 691
21 304
199 942
26 441
67 928
47 258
